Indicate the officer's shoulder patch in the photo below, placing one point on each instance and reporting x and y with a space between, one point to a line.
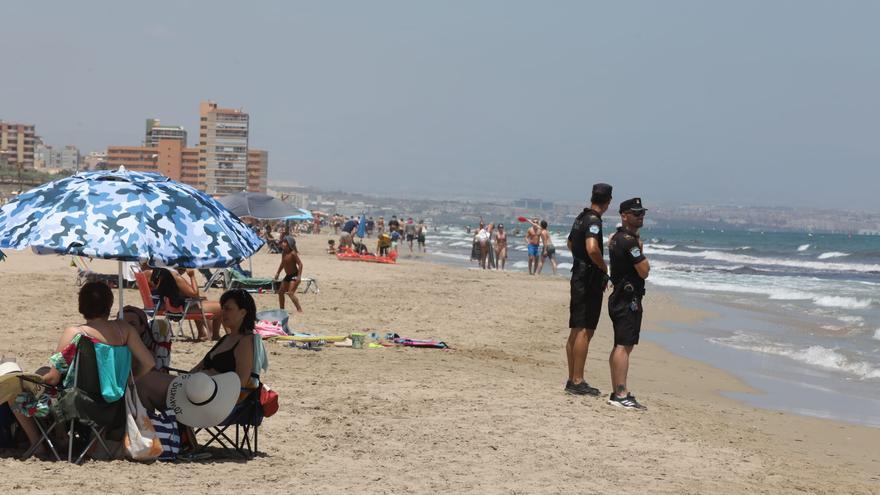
635 252
594 229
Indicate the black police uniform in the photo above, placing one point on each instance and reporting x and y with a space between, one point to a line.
587 280
625 301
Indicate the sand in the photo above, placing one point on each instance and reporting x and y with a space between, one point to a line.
488 416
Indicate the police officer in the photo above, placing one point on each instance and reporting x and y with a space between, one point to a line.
589 278
629 269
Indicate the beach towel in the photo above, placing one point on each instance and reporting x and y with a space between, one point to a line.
430 344
265 329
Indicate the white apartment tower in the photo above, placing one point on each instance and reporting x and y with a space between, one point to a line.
223 148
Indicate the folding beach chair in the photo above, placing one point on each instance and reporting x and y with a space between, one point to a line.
84 412
244 421
238 280
219 278
150 302
309 285
191 311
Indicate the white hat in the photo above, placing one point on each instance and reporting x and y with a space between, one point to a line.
201 400
10 385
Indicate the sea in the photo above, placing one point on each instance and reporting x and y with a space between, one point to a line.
797 315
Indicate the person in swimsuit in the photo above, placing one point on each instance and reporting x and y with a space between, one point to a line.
180 284
235 351
500 247
118 337
533 240
421 231
292 265
549 249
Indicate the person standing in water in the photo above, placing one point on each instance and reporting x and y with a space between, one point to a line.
533 241
292 266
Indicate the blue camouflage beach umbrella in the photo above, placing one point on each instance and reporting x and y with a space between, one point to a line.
127 216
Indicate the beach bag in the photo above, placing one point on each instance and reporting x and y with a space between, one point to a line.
269 400
168 432
140 441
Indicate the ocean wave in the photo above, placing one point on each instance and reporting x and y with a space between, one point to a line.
662 246
460 244
814 355
843 302
832 254
563 266
877 334
742 259
521 264
452 255
803 247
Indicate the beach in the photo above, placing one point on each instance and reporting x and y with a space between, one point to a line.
488 415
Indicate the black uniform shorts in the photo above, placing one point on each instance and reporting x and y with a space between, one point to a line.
586 299
626 317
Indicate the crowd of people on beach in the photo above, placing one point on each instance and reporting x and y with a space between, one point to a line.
490 245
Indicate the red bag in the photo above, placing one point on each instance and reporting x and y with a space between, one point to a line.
269 400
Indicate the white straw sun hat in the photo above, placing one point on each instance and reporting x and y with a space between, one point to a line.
201 400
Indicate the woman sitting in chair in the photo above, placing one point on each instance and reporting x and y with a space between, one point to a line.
173 285
235 350
114 339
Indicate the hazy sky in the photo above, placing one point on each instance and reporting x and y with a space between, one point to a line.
753 102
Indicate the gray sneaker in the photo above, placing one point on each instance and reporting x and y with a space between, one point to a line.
628 402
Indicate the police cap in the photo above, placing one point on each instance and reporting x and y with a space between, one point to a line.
633 205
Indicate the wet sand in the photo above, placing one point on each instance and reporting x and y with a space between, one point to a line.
488 416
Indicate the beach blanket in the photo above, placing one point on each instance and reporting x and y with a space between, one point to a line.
267 329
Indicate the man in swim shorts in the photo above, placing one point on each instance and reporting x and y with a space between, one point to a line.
589 278
292 265
533 241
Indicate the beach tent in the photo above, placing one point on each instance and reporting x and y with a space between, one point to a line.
260 206
127 216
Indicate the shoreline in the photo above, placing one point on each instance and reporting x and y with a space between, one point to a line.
489 415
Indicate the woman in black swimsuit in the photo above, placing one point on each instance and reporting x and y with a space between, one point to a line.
235 350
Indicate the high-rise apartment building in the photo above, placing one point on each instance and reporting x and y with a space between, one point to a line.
223 148
257 170
46 157
17 144
156 132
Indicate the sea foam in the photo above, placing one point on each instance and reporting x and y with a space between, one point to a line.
814 355
832 254
803 247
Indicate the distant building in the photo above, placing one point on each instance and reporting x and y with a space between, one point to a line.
533 204
157 132
168 158
257 170
46 157
223 148
17 144
70 158
95 161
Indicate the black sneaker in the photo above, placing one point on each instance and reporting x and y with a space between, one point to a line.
628 402
582 388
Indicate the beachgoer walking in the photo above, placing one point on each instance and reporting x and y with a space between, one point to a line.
292 265
410 231
500 247
589 279
629 269
393 224
380 225
533 240
371 225
421 233
483 245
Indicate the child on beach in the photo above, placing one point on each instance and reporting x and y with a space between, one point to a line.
292 266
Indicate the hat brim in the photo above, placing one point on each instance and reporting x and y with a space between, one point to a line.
210 414
11 384
634 210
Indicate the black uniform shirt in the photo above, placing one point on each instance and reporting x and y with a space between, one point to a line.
625 253
587 224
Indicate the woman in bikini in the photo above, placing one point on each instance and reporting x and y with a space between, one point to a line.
500 247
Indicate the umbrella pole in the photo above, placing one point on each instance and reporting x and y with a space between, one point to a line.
121 305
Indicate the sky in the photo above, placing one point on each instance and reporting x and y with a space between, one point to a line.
748 102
